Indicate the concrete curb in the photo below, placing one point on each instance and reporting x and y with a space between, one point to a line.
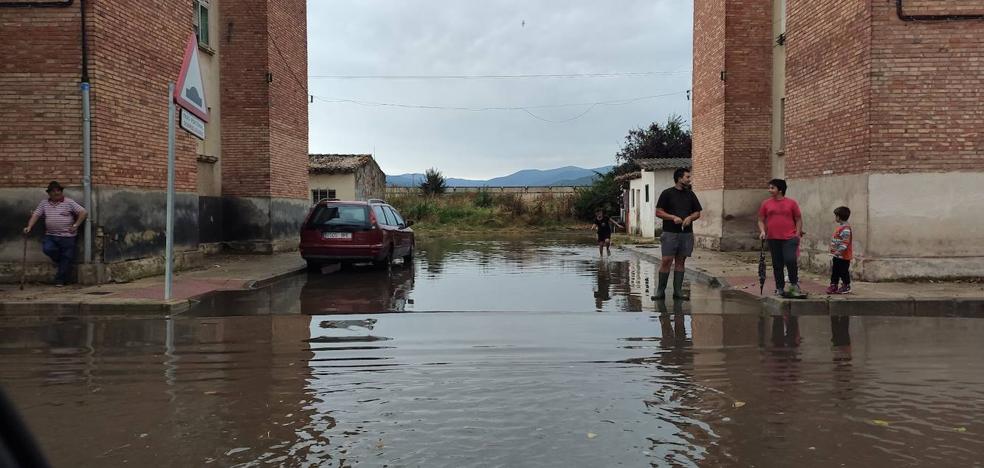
697 274
125 308
908 306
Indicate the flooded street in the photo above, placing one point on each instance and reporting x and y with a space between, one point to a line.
497 353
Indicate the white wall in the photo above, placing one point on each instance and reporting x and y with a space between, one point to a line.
342 184
645 211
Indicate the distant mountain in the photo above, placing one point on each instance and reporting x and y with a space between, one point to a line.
413 180
570 175
579 182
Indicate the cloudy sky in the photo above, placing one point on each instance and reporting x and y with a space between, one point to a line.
447 123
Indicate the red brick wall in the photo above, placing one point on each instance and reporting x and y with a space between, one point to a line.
827 91
264 129
243 58
748 94
927 89
40 101
137 47
287 51
708 94
732 117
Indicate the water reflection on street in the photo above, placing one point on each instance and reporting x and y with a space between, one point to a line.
497 356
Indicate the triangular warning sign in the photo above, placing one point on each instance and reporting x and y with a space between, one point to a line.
190 93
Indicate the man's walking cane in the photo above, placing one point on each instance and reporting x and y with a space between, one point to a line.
24 264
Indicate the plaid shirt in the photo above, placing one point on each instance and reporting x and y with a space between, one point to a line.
59 216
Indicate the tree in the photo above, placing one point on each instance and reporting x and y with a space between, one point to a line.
668 141
434 183
603 194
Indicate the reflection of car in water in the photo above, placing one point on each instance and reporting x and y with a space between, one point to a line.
360 290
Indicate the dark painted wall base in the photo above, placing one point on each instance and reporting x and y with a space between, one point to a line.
128 230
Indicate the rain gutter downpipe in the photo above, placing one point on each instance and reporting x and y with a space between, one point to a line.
905 17
86 141
86 127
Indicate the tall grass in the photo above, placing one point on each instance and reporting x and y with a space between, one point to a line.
484 210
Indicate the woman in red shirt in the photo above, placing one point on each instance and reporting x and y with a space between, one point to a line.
781 224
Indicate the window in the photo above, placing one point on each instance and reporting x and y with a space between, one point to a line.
390 219
321 194
632 197
647 193
380 216
201 20
338 215
396 216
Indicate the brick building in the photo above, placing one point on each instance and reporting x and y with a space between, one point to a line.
873 104
244 186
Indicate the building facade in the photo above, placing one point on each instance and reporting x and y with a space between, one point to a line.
345 177
877 105
243 187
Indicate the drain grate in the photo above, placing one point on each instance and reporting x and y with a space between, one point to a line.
99 293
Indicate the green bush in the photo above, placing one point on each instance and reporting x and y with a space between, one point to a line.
483 199
604 193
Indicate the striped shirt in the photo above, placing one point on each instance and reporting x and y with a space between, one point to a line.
59 216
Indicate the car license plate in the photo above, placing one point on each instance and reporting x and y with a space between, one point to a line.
338 235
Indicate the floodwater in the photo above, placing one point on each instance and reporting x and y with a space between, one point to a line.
497 353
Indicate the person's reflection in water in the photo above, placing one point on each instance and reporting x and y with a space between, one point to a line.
674 334
840 337
603 291
785 331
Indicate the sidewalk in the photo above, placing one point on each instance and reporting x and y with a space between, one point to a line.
146 296
738 271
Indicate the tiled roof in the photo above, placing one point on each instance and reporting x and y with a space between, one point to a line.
336 163
656 164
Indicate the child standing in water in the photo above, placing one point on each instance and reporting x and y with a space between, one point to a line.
604 224
841 247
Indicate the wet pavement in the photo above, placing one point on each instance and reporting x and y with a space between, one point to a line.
497 353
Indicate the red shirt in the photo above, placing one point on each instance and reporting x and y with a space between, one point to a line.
780 218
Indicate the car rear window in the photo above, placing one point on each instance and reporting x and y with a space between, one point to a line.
340 215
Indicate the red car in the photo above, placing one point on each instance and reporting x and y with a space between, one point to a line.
355 231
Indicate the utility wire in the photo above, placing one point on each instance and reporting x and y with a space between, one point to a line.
483 77
526 109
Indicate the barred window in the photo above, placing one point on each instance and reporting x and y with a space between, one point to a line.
201 20
321 194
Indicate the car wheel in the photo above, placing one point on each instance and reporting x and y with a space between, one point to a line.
386 261
408 258
313 265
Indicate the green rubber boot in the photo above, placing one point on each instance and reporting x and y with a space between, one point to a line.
661 288
678 292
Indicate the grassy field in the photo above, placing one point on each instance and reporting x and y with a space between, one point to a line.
482 212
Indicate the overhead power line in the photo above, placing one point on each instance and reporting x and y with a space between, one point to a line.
499 77
526 109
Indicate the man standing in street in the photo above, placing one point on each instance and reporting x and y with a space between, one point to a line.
780 223
678 207
62 218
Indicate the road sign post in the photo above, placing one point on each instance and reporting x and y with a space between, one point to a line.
169 217
190 95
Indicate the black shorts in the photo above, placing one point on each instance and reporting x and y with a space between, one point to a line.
602 237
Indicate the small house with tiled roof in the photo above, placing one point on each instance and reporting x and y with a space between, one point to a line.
654 176
345 177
